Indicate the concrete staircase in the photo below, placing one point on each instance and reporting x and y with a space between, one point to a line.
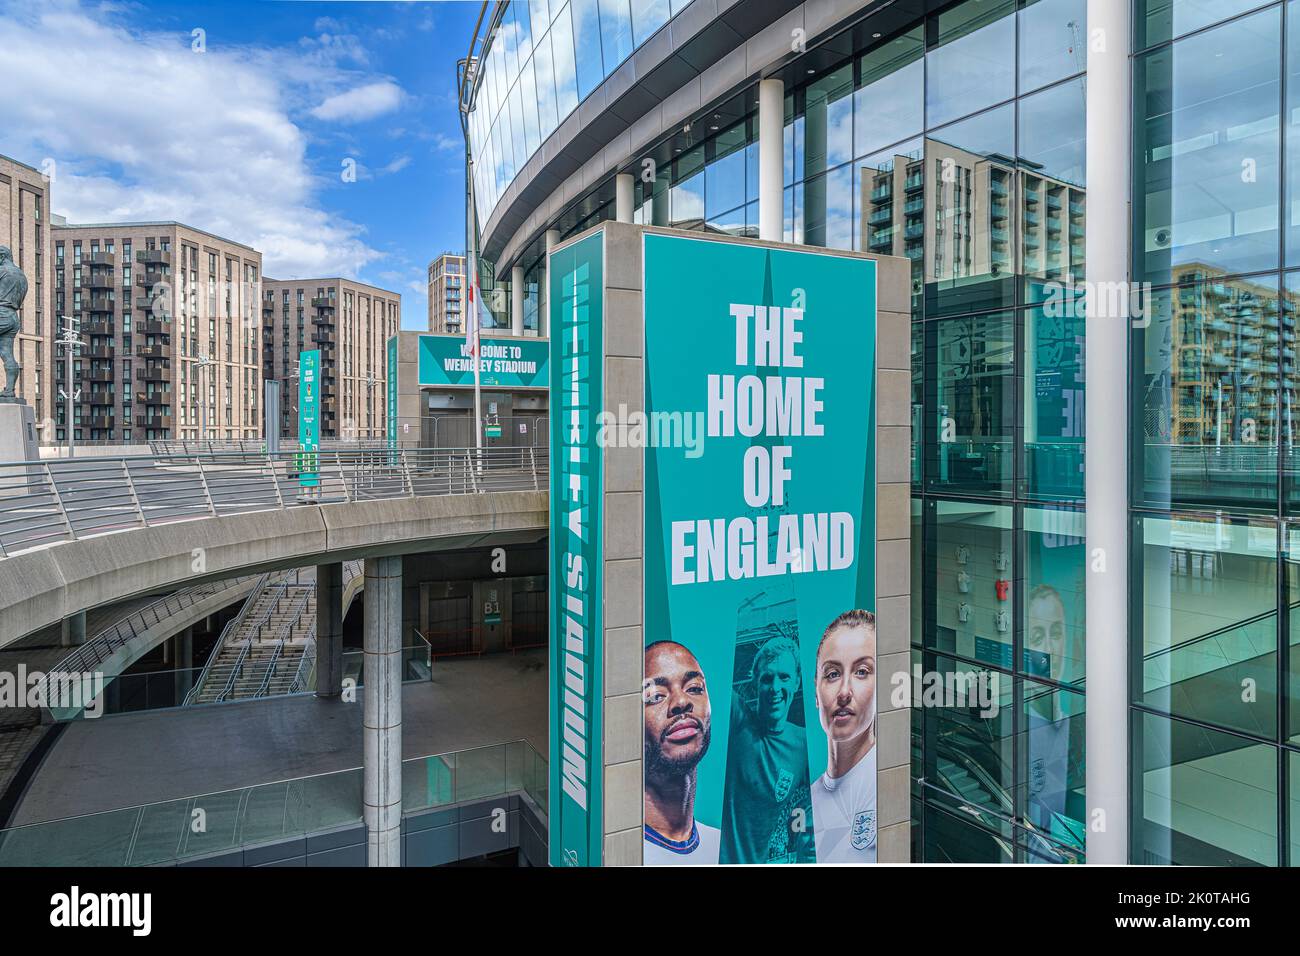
270 647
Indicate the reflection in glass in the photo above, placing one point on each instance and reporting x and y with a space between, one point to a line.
1052 38
890 103
1052 770
1207 590
1160 20
1206 152
970 413
1052 180
971 61
970 183
1054 399
1206 392
971 563
1202 798
890 210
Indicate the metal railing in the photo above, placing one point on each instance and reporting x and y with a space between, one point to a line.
49 502
159 833
89 656
232 626
250 446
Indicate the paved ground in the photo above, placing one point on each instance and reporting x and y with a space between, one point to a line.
134 759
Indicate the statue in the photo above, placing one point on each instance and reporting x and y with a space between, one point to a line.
13 289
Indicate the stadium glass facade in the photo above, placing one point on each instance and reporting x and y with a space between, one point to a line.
958 141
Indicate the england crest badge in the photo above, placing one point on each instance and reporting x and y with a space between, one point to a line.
864 829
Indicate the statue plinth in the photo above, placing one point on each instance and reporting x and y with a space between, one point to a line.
17 432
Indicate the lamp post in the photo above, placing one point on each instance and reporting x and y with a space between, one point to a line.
71 341
201 366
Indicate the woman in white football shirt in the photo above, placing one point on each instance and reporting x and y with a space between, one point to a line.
844 797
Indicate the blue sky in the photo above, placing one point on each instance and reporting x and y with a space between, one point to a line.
249 136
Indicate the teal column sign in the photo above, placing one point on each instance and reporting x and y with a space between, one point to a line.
309 419
575 293
392 392
759 537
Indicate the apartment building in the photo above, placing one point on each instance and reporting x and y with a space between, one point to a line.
446 293
168 320
350 323
25 229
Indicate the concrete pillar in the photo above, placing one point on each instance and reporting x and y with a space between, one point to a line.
660 212
329 630
382 727
771 159
1107 420
623 192
517 300
544 316
183 662
74 630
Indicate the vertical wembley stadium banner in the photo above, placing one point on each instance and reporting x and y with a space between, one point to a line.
309 418
759 537
576 296
391 431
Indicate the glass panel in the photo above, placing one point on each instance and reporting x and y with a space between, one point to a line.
1054 400
1052 41
1207 590
1159 20
1206 160
1206 390
889 215
952 838
615 32
566 85
1052 765
918 398
586 32
687 203
522 22
828 121
1055 611
971 768
970 420
546 99
1293 810
724 186
971 561
828 209
970 185
1051 156
1292 571
647 17
890 105
971 61
1292 201
1205 798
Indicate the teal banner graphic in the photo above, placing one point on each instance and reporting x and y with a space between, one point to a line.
309 419
576 543
392 392
759 571
504 363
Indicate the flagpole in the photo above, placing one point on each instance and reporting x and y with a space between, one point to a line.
472 319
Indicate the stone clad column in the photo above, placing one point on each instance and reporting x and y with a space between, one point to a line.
517 300
1110 102
329 629
382 734
771 159
623 197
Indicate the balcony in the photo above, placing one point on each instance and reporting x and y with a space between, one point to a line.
98 374
97 303
880 216
323 302
154 351
100 398
148 279
98 279
153 327
914 182
325 338
156 373
153 398
155 256
98 352
98 327
100 259
99 421
153 421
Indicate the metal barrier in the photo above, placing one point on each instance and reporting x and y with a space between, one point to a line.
44 503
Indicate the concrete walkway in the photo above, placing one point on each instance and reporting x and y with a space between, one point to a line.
147 757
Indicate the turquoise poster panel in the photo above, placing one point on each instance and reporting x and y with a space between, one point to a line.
759 536
503 363
575 810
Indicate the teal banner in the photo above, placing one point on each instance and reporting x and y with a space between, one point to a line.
759 571
504 363
309 419
577 540
392 392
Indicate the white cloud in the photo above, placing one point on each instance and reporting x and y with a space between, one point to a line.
397 165
362 103
141 128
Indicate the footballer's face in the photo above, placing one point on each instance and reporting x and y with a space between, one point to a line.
677 716
775 683
846 682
